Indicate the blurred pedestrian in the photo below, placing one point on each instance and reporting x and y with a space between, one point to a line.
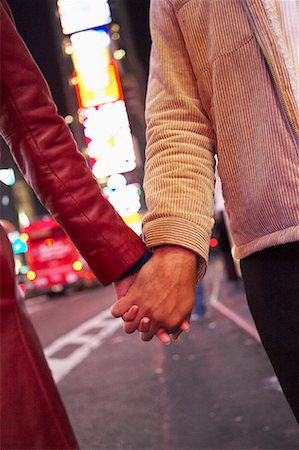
199 309
223 233
224 79
32 413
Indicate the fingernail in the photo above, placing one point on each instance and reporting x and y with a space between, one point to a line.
165 339
185 327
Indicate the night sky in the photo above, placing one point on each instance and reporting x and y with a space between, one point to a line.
138 11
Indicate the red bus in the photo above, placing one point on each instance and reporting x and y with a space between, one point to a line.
53 261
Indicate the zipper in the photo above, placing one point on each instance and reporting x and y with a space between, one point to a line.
278 92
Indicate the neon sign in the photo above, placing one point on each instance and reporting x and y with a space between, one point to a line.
79 15
97 79
109 139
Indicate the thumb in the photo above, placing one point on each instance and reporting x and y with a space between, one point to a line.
121 306
121 287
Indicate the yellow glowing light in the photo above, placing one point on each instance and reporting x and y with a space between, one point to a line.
77 266
68 49
119 54
111 141
133 218
97 79
111 92
31 275
115 36
74 81
69 119
24 237
115 28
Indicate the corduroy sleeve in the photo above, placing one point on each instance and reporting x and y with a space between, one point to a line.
179 171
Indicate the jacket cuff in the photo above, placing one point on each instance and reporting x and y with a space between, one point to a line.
181 233
137 266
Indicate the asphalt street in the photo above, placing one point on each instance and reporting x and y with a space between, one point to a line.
213 389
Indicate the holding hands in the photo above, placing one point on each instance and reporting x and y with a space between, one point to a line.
158 299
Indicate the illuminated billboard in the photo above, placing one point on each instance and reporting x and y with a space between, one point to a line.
109 139
102 111
79 15
97 79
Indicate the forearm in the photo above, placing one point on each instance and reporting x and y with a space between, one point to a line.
179 171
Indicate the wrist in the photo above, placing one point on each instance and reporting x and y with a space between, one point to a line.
188 259
176 250
137 266
184 258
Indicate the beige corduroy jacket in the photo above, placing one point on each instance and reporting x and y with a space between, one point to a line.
221 82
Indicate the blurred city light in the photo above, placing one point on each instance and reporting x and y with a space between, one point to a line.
97 80
119 54
79 15
24 236
69 119
110 144
102 110
213 242
23 218
19 246
7 176
126 199
77 265
31 275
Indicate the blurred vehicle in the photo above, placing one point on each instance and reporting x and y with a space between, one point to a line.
54 263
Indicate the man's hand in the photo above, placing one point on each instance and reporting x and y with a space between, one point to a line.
162 292
121 288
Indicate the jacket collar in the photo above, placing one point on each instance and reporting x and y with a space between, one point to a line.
267 29
263 19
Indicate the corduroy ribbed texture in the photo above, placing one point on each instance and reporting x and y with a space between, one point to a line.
210 87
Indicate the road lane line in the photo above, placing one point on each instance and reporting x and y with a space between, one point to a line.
38 307
36 300
238 320
86 343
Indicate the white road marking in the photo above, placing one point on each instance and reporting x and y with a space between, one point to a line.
236 318
86 343
36 304
272 383
36 300
38 307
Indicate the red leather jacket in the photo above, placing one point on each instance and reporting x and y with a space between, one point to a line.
47 156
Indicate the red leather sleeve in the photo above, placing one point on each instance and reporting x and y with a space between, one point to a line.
47 156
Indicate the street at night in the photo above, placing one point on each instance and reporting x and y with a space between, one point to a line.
212 389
